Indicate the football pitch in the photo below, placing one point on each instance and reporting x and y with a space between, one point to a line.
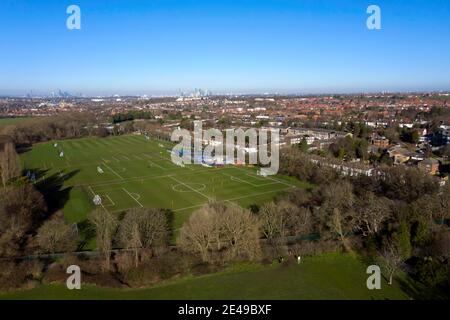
131 171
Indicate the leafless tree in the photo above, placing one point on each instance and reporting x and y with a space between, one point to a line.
56 235
391 259
371 213
284 218
105 224
271 221
143 228
219 227
21 207
9 163
240 232
199 233
337 205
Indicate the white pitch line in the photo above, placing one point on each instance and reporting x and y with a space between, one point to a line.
157 165
240 180
273 179
101 203
112 202
200 193
233 199
113 171
132 197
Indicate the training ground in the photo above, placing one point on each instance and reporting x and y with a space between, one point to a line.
139 173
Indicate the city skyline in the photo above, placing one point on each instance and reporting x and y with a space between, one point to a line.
284 47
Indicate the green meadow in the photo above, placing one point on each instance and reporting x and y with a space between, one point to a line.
333 276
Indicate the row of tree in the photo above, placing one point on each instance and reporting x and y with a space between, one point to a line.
400 215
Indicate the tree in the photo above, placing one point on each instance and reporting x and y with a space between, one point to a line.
9 163
284 218
337 205
272 223
21 208
56 235
197 235
391 259
240 233
402 240
221 228
143 228
443 204
105 225
371 213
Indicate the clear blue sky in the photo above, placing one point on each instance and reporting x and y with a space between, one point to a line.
145 47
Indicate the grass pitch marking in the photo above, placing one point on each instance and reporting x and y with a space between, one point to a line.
106 196
233 199
104 208
156 165
113 171
200 193
175 187
233 178
131 196
273 179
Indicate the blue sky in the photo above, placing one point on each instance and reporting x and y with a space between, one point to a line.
155 47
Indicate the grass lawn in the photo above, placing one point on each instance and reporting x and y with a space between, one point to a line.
135 172
333 276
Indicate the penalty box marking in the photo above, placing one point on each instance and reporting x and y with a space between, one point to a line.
181 182
233 178
131 196
114 171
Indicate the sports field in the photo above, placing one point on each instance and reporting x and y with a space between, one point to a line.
131 171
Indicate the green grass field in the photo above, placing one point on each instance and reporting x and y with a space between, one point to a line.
139 173
331 276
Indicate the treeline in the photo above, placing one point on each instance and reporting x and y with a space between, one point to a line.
67 125
399 218
132 115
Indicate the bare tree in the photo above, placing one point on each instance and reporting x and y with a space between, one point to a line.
105 225
240 231
338 200
371 213
21 207
284 218
143 228
56 235
391 259
198 234
219 227
9 163
271 221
